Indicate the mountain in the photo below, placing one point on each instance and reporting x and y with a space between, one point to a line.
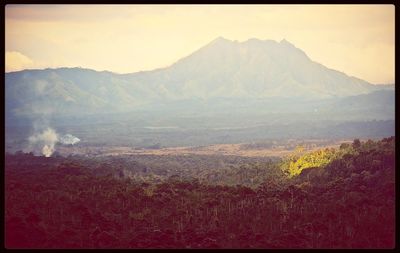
223 70
253 68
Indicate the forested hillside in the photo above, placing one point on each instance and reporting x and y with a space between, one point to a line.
332 198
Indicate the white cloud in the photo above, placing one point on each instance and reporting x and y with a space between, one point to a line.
16 61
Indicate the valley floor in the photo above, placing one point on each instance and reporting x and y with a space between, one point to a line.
239 149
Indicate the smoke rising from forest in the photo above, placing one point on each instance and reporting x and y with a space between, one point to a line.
69 139
46 140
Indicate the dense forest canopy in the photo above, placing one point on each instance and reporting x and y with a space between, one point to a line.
330 198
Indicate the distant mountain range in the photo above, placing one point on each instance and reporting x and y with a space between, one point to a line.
222 70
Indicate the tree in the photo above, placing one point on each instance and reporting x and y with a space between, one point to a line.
356 144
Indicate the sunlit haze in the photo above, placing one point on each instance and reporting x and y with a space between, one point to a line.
355 39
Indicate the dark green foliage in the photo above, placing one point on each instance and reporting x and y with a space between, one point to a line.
66 203
356 143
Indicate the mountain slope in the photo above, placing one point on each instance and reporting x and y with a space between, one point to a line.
254 69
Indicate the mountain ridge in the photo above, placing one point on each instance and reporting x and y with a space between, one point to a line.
217 40
252 69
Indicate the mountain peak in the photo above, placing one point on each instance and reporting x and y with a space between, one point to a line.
253 39
259 41
216 44
220 39
285 42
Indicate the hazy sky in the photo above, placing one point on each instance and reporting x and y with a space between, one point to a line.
355 39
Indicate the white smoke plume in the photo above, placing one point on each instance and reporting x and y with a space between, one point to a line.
47 139
44 138
69 139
